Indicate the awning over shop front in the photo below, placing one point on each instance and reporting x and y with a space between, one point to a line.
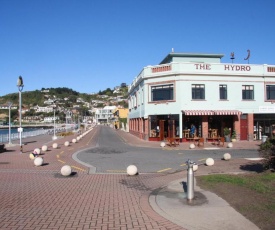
210 112
227 112
197 112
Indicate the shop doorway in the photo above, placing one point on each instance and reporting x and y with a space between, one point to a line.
244 128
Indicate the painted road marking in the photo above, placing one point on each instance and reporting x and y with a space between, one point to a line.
91 139
61 152
202 159
62 161
57 156
78 168
163 170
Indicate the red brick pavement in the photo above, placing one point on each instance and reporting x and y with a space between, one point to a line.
40 198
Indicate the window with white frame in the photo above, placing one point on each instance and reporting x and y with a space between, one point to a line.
270 92
142 97
198 91
135 99
162 92
223 92
248 92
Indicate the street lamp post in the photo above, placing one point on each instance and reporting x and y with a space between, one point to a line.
20 86
54 136
9 105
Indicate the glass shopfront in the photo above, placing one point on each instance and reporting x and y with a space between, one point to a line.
163 126
264 124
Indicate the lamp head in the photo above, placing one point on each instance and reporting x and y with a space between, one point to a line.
20 82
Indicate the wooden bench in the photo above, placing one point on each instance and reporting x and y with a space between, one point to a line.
172 141
217 140
2 148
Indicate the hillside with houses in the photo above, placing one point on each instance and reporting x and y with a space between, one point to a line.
61 104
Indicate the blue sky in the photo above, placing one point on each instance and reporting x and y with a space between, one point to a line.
90 45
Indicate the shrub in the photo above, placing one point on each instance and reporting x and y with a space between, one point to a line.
267 151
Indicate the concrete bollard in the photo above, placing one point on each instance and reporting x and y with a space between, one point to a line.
229 145
37 151
132 170
209 162
44 148
31 156
227 156
38 161
66 170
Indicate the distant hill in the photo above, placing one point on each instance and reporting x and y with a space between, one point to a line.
37 97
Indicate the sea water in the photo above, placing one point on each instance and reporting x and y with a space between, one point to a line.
27 132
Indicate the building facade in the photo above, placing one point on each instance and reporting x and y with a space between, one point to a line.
120 116
104 115
185 89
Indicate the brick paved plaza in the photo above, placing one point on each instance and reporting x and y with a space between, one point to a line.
41 198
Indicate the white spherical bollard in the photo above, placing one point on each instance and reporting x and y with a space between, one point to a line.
31 156
66 170
37 150
74 140
229 145
192 146
209 161
162 144
55 145
132 170
195 167
67 143
44 148
38 161
227 156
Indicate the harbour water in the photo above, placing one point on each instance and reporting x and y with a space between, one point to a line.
27 132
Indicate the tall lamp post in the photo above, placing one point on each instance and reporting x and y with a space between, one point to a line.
20 86
54 136
9 105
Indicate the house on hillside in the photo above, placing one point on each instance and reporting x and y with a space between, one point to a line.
120 116
104 115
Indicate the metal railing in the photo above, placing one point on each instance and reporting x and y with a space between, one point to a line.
4 138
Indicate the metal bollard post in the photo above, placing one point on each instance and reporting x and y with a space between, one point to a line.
190 180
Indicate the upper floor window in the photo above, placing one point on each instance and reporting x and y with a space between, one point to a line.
162 92
142 97
248 92
198 91
223 92
270 92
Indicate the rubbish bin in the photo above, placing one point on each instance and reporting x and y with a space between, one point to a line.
264 138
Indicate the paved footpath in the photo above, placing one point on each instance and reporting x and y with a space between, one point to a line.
34 197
